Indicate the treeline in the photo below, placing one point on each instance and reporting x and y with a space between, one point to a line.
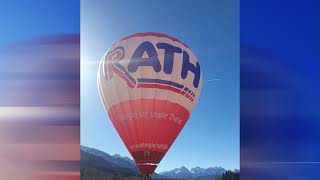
229 175
96 174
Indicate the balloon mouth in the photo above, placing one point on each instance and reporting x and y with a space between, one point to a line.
150 164
147 169
147 160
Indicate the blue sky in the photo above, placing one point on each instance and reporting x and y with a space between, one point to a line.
23 20
211 30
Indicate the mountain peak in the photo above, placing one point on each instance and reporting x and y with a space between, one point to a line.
197 170
184 168
116 160
184 173
117 156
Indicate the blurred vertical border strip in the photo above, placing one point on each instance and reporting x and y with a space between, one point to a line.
279 90
40 109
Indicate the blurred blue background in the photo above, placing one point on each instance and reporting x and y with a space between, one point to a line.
40 90
24 20
279 82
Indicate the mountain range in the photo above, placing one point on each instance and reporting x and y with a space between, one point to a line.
96 164
197 172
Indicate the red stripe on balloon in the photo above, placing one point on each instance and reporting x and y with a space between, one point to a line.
159 86
165 87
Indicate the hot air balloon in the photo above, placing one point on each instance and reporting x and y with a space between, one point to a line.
149 84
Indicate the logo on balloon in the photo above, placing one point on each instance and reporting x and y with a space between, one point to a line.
146 55
114 66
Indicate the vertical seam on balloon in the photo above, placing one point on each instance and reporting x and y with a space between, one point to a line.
157 140
122 126
131 131
170 125
167 111
143 121
141 102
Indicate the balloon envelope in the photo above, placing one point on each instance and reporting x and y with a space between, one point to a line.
149 84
